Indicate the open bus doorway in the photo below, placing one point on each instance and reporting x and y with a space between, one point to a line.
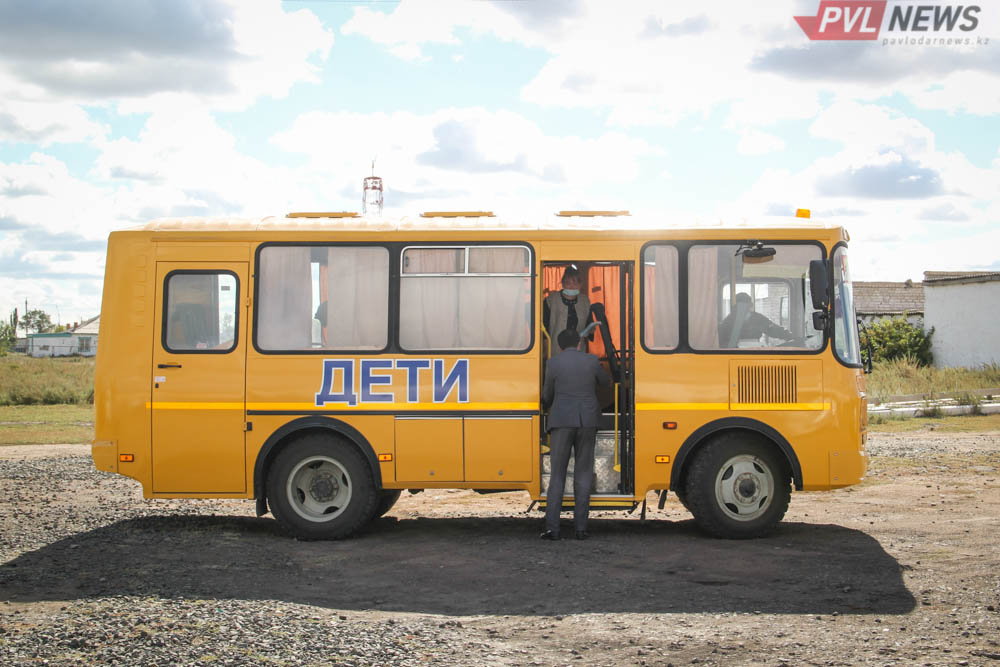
608 286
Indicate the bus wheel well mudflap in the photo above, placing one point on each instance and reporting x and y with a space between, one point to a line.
707 432
296 429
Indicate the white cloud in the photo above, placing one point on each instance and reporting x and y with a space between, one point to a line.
414 24
460 157
45 123
654 63
755 142
146 56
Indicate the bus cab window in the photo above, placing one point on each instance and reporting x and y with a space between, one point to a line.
200 312
737 305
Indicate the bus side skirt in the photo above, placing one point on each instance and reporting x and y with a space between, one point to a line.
269 450
734 424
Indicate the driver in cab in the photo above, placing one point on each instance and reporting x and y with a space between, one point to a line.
742 323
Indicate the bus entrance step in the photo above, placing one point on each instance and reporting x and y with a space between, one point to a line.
598 502
606 478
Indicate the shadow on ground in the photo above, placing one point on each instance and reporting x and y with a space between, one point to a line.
469 566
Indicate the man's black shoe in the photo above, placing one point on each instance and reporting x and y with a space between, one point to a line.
582 535
549 535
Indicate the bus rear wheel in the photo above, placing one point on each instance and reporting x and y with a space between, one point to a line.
321 488
737 487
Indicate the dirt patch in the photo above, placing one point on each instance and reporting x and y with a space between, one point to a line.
903 568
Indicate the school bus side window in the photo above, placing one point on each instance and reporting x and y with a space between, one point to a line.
201 313
660 329
736 303
465 298
323 298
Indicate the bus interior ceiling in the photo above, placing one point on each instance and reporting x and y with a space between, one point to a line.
608 285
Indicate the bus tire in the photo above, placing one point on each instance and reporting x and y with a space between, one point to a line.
321 488
737 487
682 497
386 500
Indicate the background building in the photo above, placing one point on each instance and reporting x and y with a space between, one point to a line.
81 339
964 309
877 300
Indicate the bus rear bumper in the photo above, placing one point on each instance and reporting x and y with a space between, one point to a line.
847 468
105 455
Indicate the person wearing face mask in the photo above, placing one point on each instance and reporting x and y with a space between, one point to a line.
568 308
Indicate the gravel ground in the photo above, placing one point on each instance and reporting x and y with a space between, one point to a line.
902 569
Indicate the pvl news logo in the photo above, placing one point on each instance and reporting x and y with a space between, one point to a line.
863 20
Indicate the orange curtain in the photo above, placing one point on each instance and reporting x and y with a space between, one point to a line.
551 279
603 288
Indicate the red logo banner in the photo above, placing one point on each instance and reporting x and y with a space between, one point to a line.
844 19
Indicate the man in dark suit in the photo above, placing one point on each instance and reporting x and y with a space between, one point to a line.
571 381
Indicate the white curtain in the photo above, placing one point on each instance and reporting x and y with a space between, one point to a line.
357 304
703 280
664 312
466 312
284 313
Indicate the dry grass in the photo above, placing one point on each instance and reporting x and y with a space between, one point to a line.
60 380
903 377
957 424
46 424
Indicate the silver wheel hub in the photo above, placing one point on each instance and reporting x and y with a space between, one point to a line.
319 488
324 487
744 487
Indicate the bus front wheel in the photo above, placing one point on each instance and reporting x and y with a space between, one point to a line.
321 488
737 487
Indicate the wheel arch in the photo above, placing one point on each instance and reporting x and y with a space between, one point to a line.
728 424
297 427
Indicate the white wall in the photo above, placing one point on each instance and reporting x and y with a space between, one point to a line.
966 321
60 346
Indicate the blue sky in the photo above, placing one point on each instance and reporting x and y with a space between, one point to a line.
114 112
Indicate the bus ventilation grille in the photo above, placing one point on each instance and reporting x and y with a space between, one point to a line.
773 383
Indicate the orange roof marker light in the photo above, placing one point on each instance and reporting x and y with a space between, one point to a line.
457 214
802 213
592 214
332 214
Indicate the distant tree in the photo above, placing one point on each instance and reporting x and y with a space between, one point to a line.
37 321
8 336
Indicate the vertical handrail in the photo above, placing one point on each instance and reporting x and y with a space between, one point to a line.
618 465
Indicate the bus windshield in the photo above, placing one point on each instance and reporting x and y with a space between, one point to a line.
845 328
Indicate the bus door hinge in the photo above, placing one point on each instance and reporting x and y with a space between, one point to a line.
248 427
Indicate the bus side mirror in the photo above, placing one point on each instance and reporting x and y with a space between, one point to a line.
818 286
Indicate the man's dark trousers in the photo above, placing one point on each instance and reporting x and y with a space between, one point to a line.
580 443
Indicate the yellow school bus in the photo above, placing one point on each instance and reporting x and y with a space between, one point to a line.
320 363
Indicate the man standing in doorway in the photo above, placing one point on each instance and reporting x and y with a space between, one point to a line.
567 308
571 381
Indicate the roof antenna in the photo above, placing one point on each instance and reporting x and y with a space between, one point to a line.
371 197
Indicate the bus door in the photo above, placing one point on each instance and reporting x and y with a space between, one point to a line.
198 378
609 289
